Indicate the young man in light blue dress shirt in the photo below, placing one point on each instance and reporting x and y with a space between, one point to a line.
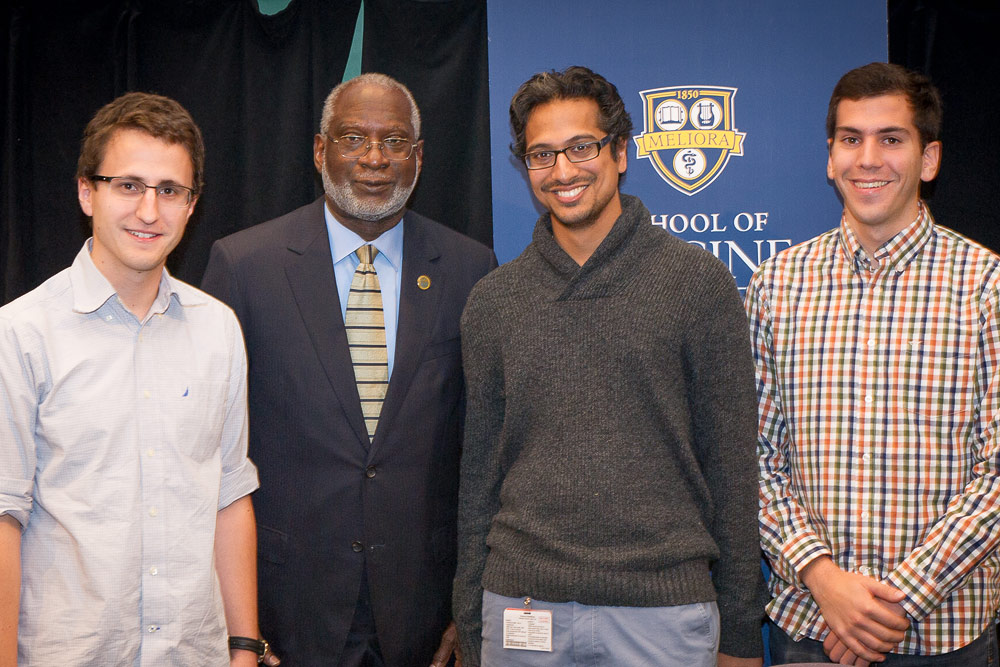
127 535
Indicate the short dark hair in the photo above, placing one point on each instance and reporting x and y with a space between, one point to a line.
158 116
876 79
570 84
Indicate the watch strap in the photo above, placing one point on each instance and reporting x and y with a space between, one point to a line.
258 646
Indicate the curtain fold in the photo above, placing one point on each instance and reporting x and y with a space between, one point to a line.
438 48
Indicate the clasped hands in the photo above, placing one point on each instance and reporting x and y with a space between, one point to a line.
865 618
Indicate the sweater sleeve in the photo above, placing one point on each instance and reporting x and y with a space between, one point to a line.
479 490
724 411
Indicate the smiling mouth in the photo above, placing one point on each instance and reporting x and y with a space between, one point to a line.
565 194
570 193
374 185
142 235
869 185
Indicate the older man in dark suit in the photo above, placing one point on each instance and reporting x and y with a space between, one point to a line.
350 307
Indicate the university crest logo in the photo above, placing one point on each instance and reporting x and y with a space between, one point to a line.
689 134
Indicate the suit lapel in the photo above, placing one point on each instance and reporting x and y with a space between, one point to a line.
310 275
418 311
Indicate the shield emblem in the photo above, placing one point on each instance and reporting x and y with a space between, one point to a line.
689 134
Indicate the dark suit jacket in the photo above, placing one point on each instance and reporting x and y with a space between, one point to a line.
329 501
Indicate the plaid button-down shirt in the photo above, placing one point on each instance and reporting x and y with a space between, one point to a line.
879 388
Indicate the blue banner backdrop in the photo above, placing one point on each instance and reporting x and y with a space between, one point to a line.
728 100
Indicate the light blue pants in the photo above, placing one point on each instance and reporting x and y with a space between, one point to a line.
587 636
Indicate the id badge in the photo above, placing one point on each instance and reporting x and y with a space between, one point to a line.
527 629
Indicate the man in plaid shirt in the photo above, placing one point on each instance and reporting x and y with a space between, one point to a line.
877 348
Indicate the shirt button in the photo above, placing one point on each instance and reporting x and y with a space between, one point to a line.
152 628
145 393
153 511
150 452
357 547
370 472
868 398
153 571
866 458
864 515
109 318
871 342
865 570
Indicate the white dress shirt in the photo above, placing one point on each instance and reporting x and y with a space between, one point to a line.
120 441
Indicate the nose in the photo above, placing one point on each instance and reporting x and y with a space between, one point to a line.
870 155
563 169
148 209
374 158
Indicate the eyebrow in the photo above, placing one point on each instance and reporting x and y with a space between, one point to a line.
574 140
356 127
168 181
894 129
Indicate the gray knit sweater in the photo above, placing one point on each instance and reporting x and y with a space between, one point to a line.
610 437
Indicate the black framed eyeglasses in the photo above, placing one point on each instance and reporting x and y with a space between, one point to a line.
357 146
581 152
131 189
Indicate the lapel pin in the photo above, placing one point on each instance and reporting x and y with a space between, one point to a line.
424 282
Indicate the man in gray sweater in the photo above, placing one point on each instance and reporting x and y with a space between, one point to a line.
608 501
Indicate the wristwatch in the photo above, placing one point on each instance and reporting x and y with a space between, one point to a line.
258 646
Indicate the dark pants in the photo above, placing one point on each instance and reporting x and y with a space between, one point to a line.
980 653
362 649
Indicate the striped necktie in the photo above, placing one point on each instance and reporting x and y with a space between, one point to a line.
366 337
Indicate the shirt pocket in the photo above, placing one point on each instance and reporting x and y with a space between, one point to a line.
937 383
198 412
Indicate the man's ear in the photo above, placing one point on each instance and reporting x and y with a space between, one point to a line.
622 158
931 161
84 192
418 151
319 152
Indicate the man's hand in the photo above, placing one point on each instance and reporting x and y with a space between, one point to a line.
270 659
863 613
838 652
449 645
729 661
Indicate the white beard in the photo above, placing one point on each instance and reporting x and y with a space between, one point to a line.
348 202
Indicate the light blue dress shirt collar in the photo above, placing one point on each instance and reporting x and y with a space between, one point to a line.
91 288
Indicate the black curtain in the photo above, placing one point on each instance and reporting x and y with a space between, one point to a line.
954 42
438 48
254 84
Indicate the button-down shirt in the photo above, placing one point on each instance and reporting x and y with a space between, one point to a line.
388 265
879 388
120 440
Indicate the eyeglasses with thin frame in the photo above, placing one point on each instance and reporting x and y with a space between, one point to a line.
131 189
581 152
357 146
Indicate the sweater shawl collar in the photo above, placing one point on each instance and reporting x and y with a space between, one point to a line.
599 276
